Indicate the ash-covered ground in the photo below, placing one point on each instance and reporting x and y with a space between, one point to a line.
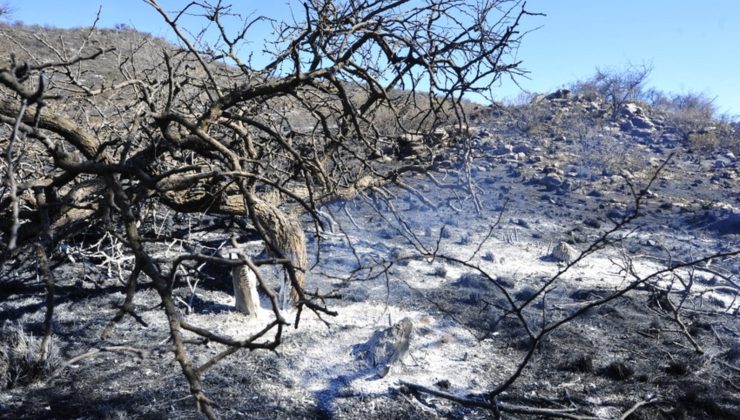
671 342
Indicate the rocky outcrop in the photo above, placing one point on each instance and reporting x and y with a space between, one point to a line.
559 95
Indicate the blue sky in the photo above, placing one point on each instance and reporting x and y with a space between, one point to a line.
692 46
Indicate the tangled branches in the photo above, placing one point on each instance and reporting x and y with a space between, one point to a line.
201 129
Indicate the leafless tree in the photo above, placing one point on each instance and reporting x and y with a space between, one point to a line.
203 129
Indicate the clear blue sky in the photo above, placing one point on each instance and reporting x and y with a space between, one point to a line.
693 46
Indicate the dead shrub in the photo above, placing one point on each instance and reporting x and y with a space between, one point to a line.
616 86
618 371
703 140
581 363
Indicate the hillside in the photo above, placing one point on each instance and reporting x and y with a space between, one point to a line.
624 223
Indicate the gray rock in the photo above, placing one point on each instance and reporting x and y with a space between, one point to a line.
642 122
727 225
537 98
504 149
630 109
641 132
626 126
564 253
387 346
523 223
551 181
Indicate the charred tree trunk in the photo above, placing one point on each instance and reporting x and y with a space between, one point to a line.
244 282
285 238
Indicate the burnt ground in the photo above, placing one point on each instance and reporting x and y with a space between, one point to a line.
547 189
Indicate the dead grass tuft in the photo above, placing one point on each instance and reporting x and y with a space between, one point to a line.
20 358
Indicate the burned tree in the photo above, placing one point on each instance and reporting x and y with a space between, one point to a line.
201 129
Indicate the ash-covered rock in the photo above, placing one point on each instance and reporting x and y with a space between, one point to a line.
386 347
564 253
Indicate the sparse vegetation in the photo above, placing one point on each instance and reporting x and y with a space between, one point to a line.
615 86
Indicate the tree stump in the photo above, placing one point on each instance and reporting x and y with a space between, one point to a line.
244 281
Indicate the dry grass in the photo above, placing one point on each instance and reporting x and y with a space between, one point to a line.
20 360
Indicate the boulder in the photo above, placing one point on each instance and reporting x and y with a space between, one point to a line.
563 252
559 94
642 122
630 109
551 181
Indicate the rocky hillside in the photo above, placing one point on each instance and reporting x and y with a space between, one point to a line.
593 274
